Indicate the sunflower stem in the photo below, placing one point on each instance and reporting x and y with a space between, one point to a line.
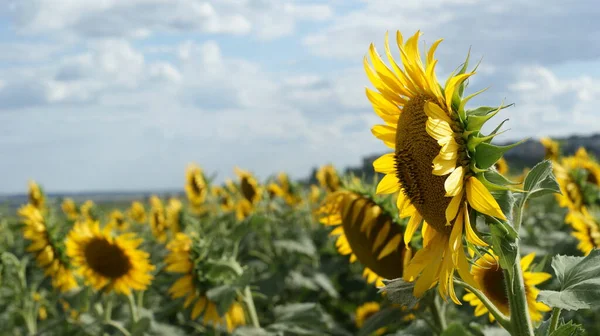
517 299
250 306
501 318
438 314
108 308
140 299
554 320
132 309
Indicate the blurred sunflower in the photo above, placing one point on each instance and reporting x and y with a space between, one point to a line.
367 233
501 166
552 149
88 210
196 188
48 254
436 168
328 178
489 276
69 208
36 195
289 193
315 194
137 212
364 312
250 192
173 210
587 230
107 262
158 220
117 221
180 260
575 175
223 198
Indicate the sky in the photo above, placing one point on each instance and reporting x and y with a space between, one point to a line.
122 95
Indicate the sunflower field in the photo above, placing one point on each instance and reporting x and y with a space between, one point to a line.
446 240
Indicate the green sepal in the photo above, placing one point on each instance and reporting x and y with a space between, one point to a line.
491 185
463 85
475 141
475 122
485 110
487 154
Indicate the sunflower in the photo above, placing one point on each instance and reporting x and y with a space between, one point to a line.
435 168
489 276
574 175
36 195
250 192
173 210
314 194
69 208
587 230
88 210
107 262
328 178
367 233
501 166
223 198
552 149
117 221
137 212
47 251
180 260
158 220
196 188
364 312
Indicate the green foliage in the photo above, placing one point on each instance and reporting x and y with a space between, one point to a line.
578 280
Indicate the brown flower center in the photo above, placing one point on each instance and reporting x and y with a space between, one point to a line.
362 242
248 189
591 177
493 286
196 184
415 151
107 259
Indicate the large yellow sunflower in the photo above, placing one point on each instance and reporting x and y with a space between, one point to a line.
137 212
158 220
107 262
367 233
490 278
587 230
47 253
36 195
196 188
179 260
328 178
438 161
69 208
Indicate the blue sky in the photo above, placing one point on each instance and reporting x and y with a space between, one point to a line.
122 95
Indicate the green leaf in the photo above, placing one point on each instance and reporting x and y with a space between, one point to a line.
325 283
141 327
251 331
456 329
540 180
543 328
303 246
481 111
506 201
223 296
400 292
504 244
382 318
579 279
487 154
569 329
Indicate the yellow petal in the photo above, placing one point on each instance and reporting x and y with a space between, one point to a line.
481 200
526 261
388 184
454 183
411 228
453 207
390 247
434 111
385 164
438 129
470 233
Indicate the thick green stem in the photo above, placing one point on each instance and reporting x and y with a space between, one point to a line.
517 299
250 306
438 314
496 313
140 300
108 308
554 320
132 309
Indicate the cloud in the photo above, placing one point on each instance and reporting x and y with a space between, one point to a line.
141 18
